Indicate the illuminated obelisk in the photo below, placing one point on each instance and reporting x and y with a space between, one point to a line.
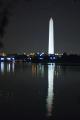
51 37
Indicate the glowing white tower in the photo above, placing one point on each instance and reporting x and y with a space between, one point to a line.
51 37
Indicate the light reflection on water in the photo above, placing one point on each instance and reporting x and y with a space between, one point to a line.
7 67
38 70
2 67
42 91
50 96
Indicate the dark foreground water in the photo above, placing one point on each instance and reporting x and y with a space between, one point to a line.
39 92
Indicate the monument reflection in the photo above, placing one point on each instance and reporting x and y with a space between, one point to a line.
50 95
40 70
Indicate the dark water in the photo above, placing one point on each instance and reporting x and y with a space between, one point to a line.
39 92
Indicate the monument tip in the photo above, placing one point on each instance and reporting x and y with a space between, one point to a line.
51 18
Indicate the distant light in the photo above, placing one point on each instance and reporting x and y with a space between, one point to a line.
30 58
51 58
41 54
56 54
38 53
54 58
32 54
3 54
2 58
8 58
59 54
13 58
41 58
24 53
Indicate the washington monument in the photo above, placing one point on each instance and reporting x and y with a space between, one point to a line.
51 37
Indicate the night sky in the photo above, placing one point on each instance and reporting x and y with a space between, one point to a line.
27 29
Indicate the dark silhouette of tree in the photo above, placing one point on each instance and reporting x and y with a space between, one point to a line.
6 7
